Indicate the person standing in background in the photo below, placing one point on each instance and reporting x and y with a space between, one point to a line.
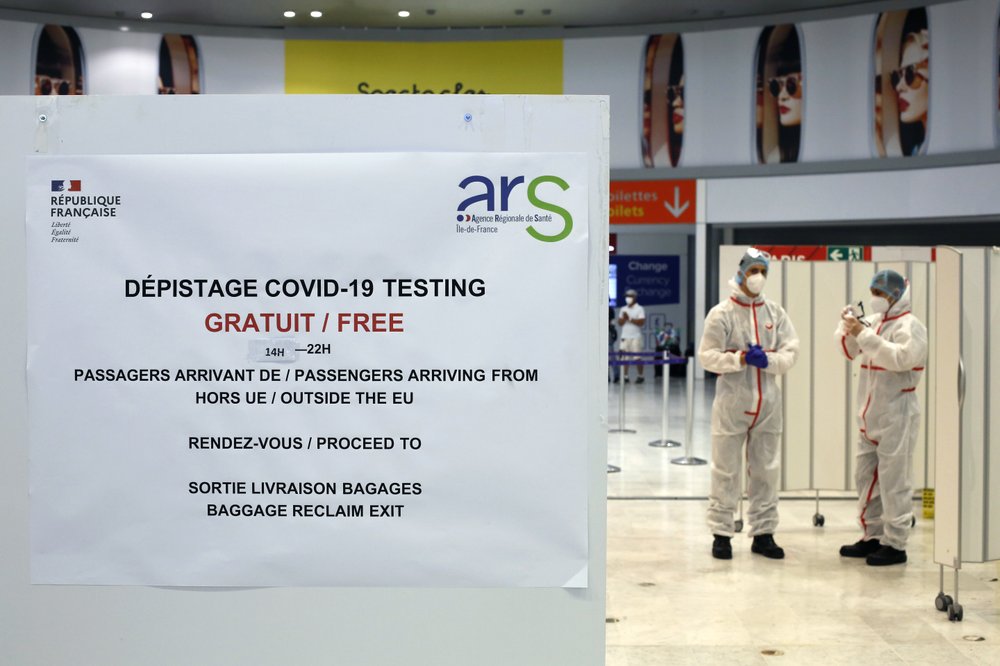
748 341
614 371
893 351
631 318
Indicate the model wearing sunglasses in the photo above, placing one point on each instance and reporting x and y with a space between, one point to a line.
791 83
911 75
675 95
788 91
910 81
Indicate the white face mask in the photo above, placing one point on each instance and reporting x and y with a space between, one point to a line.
878 305
629 300
755 283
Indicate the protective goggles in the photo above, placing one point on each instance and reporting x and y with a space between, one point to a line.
792 83
673 92
858 310
754 253
910 74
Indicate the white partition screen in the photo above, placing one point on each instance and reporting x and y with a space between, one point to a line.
820 391
968 382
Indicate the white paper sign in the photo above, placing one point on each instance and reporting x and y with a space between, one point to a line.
264 370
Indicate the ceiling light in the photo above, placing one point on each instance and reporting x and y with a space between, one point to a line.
315 14
289 14
123 28
146 15
403 13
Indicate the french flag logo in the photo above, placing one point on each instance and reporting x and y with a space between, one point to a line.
67 185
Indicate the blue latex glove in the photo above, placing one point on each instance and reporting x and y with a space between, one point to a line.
756 357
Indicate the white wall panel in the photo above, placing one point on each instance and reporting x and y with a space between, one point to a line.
120 63
17 70
612 66
941 192
973 357
947 351
992 499
246 66
829 383
931 376
838 107
962 39
719 96
917 274
796 470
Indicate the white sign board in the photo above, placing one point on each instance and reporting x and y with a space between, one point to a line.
294 370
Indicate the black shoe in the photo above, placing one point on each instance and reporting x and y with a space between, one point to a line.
722 549
763 544
626 380
860 549
639 380
885 556
615 381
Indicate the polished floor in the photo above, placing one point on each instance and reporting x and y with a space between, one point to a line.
669 602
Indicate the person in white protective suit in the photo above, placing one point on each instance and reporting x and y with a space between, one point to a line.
748 341
892 347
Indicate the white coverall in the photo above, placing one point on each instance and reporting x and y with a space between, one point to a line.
747 407
893 352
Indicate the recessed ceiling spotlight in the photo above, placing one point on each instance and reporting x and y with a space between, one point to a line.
289 14
403 13
146 15
315 14
123 28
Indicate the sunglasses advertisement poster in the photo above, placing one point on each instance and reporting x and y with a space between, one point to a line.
901 99
307 370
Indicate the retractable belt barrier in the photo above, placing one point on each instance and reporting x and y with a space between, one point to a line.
620 358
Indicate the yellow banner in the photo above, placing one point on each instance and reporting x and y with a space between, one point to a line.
532 67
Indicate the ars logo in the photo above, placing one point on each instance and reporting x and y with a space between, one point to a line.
507 185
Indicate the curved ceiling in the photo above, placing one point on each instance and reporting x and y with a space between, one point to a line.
424 14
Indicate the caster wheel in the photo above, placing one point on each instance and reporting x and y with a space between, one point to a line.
738 526
955 613
948 601
940 603
819 520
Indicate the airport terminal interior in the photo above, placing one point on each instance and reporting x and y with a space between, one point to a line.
670 602
840 137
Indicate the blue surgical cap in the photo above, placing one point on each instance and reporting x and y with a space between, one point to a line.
890 283
752 257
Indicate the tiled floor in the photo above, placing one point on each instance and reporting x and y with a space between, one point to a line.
670 602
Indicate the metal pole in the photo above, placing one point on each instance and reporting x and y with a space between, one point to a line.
688 459
663 442
621 404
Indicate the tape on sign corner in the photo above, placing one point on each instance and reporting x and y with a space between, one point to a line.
273 351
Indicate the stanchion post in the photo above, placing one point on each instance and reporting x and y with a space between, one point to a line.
663 442
688 459
621 407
